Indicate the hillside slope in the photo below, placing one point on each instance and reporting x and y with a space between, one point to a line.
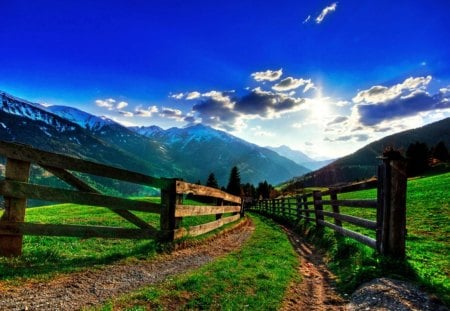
363 163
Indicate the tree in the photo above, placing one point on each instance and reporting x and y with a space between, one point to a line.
263 190
212 181
440 152
417 157
234 182
249 190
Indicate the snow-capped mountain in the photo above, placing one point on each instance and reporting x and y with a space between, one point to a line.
147 131
32 124
84 119
199 150
14 106
190 153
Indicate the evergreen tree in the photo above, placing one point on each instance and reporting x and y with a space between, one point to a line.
234 183
417 157
212 181
249 190
263 190
440 152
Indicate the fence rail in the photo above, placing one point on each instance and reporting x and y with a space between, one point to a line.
16 189
389 228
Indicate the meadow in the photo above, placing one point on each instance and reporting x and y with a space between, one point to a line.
427 242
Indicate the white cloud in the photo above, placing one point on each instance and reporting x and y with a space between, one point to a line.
127 114
121 105
171 113
105 103
380 94
325 12
268 75
145 112
193 95
307 19
297 125
177 96
290 83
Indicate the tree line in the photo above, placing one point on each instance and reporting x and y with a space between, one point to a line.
263 190
420 158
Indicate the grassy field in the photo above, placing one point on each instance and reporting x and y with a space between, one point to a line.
427 244
47 256
253 278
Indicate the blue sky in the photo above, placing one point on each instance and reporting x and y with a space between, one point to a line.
323 77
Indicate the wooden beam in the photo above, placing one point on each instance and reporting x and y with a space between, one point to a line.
204 228
184 187
350 203
370 184
197 210
351 234
44 158
14 207
24 190
365 223
82 186
19 228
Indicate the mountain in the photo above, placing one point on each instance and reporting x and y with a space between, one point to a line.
190 153
155 156
32 124
199 150
363 163
299 157
84 119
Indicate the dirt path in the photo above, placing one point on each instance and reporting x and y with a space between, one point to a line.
89 288
315 291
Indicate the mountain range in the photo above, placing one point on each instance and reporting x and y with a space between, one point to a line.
190 153
300 158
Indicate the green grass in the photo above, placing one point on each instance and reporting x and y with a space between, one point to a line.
427 243
253 278
44 257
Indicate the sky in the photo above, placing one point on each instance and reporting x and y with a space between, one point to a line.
322 77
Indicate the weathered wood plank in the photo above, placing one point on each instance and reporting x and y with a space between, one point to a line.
350 203
204 228
197 210
370 184
12 229
365 223
82 186
351 234
24 190
14 207
335 207
44 158
184 187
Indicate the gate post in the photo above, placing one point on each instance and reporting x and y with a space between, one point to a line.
11 245
169 200
391 212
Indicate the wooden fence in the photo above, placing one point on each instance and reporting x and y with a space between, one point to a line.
16 189
321 207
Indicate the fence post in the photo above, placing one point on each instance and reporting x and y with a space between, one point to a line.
219 202
305 206
393 206
11 246
335 207
169 200
317 195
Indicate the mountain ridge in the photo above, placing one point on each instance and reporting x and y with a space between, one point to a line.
363 163
190 153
